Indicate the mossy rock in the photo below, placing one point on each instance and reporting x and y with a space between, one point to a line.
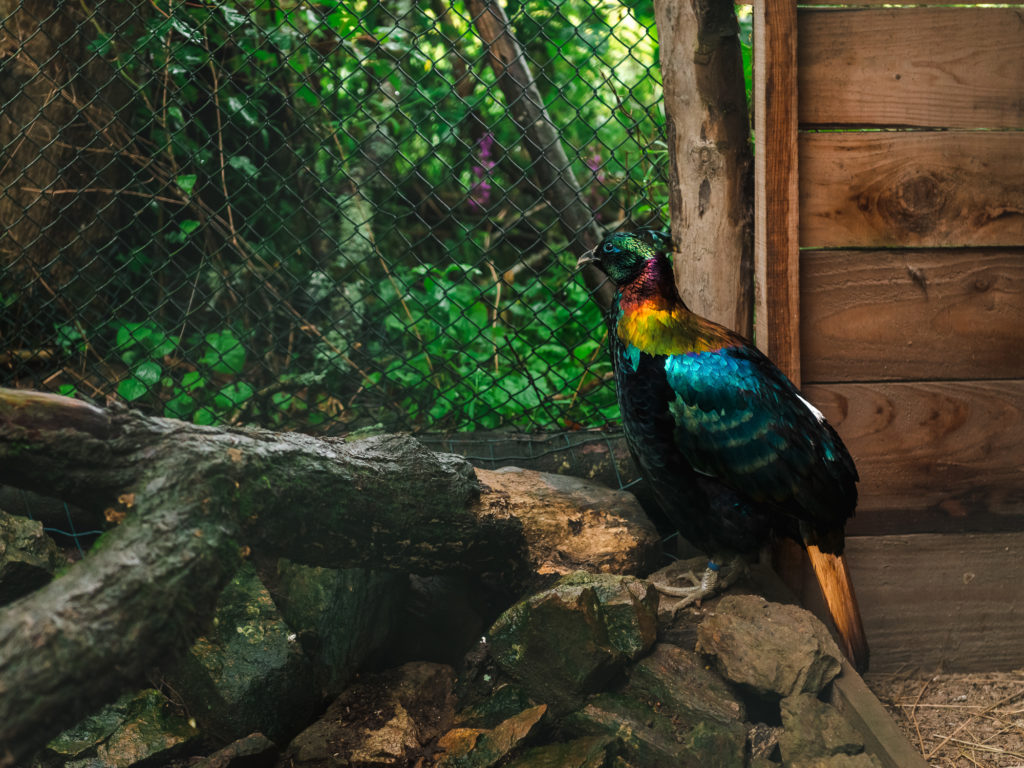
248 672
28 557
138 727
573 638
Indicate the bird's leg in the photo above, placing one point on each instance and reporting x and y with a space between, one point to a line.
714 578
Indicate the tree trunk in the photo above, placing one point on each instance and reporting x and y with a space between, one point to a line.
711 185
57 96
195 500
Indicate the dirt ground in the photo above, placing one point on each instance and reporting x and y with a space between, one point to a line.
959 721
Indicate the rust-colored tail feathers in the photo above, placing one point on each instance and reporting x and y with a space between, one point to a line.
834 579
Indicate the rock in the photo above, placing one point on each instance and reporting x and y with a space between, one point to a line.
341 616
472 748
773 648
680 681
571 639
813 730
863 760
253 751
587 752
506 700
671 711
248 673
138 726
763 740
652 738
378 721
28 557
571 523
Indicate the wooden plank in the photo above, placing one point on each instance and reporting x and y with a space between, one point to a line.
909 4
939 67
940 314
911 188
934 601
776 210
932 456
776 249
882 737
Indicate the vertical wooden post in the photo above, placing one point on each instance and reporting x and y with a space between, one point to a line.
709 151
776 214
776 201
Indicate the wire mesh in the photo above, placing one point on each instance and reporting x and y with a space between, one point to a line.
314 215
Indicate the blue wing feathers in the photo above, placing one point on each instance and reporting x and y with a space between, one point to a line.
738 419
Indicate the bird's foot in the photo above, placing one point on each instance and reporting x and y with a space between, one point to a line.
714 579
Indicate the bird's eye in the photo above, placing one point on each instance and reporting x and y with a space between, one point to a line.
608 247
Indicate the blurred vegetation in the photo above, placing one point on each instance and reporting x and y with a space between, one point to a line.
331 216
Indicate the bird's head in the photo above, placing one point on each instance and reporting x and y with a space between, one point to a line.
623 255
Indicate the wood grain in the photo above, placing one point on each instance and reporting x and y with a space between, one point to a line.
776 211
937 314
776 255
939 67
710 162
911 188
932 456
909 4
934 601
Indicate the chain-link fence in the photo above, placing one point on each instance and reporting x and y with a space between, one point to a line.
318 214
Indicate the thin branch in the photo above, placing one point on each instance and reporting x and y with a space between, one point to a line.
554 172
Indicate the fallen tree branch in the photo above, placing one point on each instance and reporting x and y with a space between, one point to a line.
195 500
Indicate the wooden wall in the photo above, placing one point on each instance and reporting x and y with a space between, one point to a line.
890 254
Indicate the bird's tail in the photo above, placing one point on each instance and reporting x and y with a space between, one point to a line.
835 583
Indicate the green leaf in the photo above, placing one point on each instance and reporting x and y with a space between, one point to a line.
186 182
132 389
193 380
69 338
188 226
180 407
225 353
101 45
68 390
148 373
233 395
244 165
308 95
286 400
205 416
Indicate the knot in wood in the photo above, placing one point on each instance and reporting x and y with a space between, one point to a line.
916 204
705 159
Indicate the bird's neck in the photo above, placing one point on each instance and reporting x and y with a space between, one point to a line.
654 287
652 318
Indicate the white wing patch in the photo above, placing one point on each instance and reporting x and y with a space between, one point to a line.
817 414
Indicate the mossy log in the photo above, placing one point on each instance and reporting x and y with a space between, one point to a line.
194 500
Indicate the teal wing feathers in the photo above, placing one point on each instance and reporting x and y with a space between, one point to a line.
739 420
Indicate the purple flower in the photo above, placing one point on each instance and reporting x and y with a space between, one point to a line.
595 163
480 192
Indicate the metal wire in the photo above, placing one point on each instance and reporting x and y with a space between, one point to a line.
315 215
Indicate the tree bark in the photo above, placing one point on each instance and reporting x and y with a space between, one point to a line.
711 185
57 95
195 500
554 174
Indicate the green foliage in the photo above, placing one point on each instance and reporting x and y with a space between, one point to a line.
335 217
471 353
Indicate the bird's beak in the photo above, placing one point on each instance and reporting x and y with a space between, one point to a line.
587 258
